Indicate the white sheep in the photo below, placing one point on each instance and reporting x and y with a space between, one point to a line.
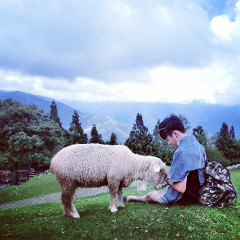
96 165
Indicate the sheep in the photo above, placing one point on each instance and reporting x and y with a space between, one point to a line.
96 165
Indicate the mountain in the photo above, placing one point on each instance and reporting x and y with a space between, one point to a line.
209 116
105 125
119 117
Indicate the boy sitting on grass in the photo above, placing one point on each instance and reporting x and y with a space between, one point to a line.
185 177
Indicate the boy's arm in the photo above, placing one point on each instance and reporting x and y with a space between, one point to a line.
179 186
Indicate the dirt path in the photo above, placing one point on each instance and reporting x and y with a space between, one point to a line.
55 197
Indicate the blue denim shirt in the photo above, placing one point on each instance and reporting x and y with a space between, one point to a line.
189 156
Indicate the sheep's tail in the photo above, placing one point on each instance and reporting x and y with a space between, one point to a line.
53 164
51 168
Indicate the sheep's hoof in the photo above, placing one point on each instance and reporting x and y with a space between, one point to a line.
121 205
114 209
76 215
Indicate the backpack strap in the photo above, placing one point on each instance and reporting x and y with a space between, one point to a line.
206 163
205 159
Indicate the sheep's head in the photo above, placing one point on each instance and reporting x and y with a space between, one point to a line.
157 172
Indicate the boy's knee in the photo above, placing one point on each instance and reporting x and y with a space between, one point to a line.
149 197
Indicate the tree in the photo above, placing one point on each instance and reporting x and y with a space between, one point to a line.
213 154
95 137
27 136
185 122
234 151
160 147
200 135
232 133
113 139
156 128
140 140
54 113
223 141
54 116
76 132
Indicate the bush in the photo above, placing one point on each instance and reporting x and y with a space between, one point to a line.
214 154
235 161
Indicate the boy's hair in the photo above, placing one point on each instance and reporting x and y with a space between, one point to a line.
168 125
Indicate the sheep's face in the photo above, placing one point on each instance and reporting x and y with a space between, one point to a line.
158 173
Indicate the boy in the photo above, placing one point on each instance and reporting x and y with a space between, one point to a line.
185 177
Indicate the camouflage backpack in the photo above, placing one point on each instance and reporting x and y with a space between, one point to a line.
218 189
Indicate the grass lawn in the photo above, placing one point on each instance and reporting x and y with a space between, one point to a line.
135 221
35 187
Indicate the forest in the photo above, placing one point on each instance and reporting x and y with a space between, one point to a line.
30 137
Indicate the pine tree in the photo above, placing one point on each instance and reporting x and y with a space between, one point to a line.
185 122
95 137
113 139
200 135
140 140
54 113
234 148
223 141
160 147
156 128
76 132
232 133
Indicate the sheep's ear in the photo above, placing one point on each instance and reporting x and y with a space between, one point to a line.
156 168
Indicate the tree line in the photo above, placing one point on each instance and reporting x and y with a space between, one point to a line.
76 134
28 136
222 146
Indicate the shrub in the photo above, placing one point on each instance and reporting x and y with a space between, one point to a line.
214 154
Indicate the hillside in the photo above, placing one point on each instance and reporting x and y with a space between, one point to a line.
119 117
105 125
209 116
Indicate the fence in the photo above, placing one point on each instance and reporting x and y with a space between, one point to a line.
23 176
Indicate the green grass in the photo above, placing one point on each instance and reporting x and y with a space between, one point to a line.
135 221
35 187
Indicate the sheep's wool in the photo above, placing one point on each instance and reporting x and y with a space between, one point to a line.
96 165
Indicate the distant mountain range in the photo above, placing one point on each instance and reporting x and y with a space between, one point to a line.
119 117
105 125
209 116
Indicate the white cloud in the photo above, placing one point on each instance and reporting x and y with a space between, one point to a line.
179 85
165 84
224 28
168 51
87 39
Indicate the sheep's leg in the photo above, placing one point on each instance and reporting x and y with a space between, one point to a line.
112 205
69 208
113 191
120 192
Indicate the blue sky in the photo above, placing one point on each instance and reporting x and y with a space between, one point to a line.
122 50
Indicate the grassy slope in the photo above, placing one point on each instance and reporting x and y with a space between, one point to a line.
35 187
135 221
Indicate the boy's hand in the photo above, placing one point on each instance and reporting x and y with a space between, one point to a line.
166 181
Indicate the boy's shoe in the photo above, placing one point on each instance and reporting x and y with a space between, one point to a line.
124 198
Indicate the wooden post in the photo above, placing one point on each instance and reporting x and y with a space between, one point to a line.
141 185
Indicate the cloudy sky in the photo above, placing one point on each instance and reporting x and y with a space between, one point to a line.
122 50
